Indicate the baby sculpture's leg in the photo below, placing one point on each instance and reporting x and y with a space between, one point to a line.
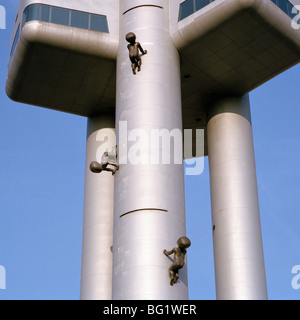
171 275
133 64
133 68
176 277
139 64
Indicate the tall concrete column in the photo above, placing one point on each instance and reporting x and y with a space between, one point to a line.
96 268
149 195
238 250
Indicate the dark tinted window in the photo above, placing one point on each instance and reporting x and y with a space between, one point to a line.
98 23
31 13
282 4
15 42
186 9
202 3
60 16
45 16
79 19
67 17
285 6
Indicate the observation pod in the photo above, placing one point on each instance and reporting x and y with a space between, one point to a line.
203 59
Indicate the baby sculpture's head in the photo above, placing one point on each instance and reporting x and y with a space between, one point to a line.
95 167
183 242
130 37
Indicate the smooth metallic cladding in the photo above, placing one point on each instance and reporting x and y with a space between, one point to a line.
148 100
227 48
97 237
215 58
238 250
52 14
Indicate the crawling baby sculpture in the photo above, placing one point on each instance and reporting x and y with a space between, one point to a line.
179 256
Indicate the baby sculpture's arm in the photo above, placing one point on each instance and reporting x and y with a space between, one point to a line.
167 253
141 49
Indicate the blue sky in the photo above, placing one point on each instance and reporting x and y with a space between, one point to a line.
42 163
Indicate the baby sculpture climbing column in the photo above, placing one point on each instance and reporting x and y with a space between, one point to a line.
149 197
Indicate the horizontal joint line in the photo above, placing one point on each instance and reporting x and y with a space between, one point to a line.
145 209
144 5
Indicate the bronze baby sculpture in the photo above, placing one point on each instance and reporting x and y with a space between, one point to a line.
108 163
179 256
134 48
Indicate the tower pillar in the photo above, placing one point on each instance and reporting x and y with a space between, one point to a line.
238 250
97 238
149 186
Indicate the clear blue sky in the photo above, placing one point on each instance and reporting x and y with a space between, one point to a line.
42 163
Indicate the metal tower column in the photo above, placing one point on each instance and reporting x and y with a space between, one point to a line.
238 250
149 195
96 269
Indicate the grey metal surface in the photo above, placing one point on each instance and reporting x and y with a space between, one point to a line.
46 70
65 68
149 198
231 47
97 238
238 250
228 47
